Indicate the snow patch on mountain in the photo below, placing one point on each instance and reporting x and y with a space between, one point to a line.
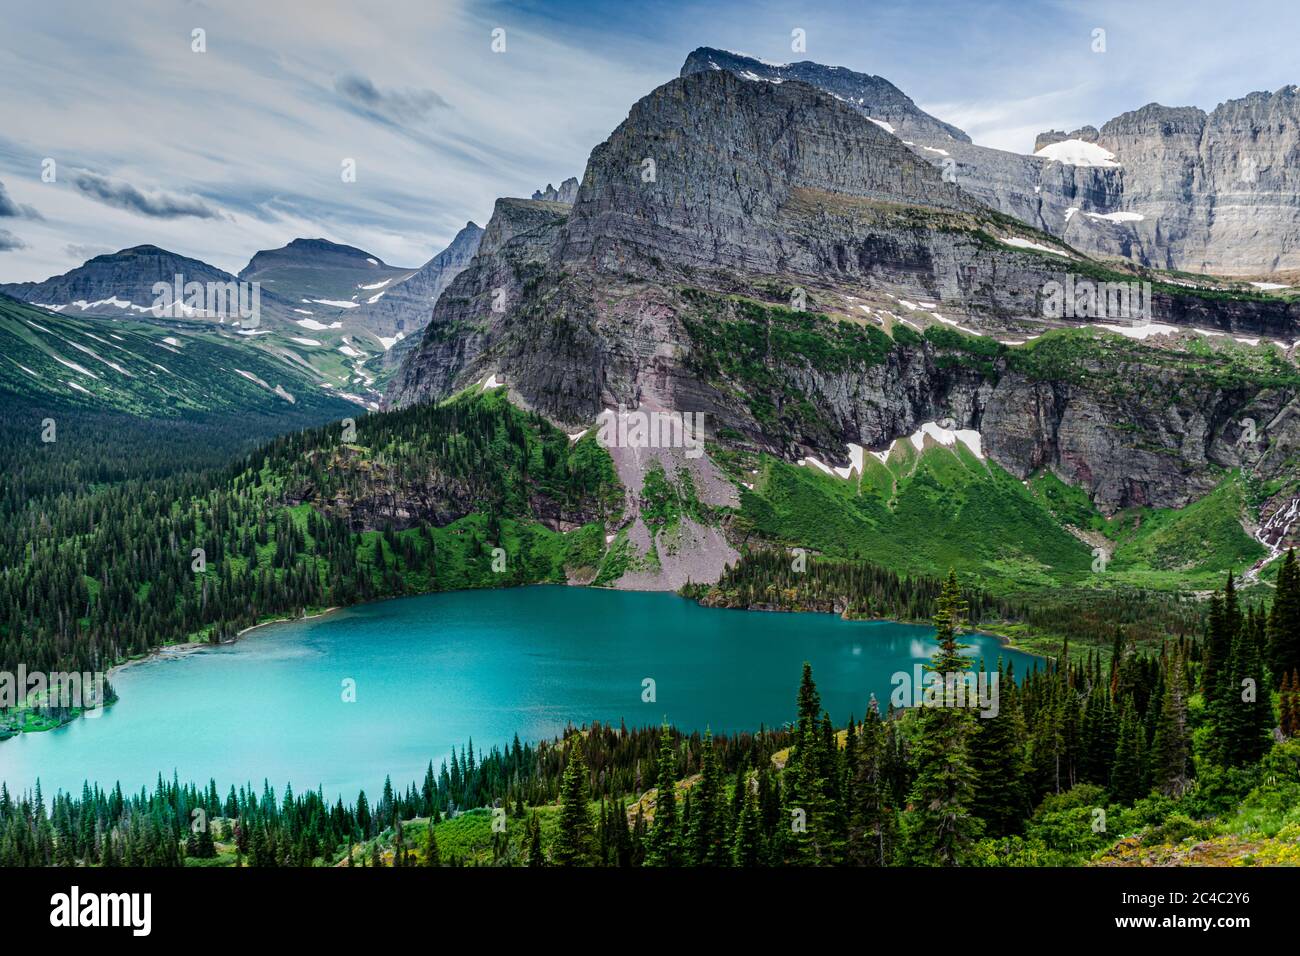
1077 152
948 437
1020 243
1116 216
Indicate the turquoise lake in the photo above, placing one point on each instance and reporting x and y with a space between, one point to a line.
432 672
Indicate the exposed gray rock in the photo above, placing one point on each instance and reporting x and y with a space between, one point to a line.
567 192
407 304
116 284
1216 193
874 95
1086 133
760 187
319 269
512 251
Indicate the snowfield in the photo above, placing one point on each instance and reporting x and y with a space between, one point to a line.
1076 152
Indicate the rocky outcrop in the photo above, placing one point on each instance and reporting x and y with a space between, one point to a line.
885 103
719 191
1181 189
1162 438
1217 192
1086 134
566 194
512 256
406 305
710 172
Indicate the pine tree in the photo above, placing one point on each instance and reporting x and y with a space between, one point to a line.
431 855
1171 747
997 755
623 848
1217 649
663 846
1127 771
812 836
573 845
535 857
708 825
1284 621
747 846
1289 705
1243 713
939 825
871 818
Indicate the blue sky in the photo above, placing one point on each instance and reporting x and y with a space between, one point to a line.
218 154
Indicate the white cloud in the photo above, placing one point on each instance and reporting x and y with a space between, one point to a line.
257 128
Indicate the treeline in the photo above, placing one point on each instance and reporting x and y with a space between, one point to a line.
176 821
775 579
1091 615
105 561
1069 758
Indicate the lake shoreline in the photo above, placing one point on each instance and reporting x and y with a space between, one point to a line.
435 671
186 648
1006 640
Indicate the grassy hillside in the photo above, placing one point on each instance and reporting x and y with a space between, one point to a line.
149 369
923 512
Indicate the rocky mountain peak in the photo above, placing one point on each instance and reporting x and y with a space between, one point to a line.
116 283
872 96
1156 120
405 306
567 192
311 253
707 172
1087 134
1177 189
512 218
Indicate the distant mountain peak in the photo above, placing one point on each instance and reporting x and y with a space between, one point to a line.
567 193
873 96
327 245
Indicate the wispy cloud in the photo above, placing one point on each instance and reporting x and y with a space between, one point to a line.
83 253
11 209
394 106
10 242
254 130
159 204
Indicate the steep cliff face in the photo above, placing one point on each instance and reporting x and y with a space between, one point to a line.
512 253
1130 423
1138 425
566 193
1167 187
1218 192
404 306
667 285
704 171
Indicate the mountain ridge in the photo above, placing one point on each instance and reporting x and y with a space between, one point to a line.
1226 200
